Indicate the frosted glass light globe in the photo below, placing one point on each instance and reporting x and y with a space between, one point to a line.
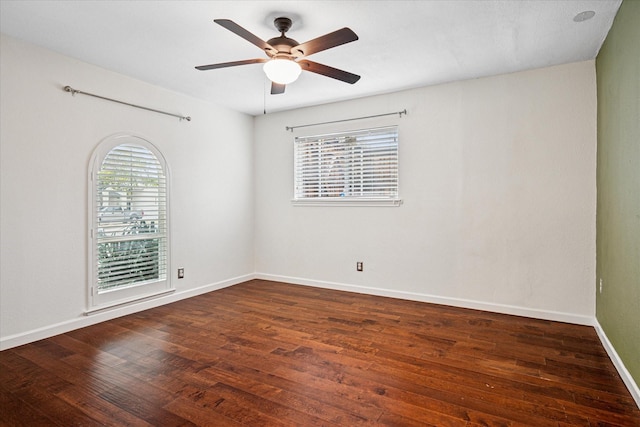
282 71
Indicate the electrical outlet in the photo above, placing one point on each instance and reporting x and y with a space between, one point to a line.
601 285
181 273
359 266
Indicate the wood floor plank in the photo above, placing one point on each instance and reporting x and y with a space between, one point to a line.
293 394
48 403
143 408
265 353
102 411
17 413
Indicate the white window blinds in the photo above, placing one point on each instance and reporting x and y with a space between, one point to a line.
129 217
353 165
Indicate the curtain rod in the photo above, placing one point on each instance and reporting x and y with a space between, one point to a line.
400 113
74 91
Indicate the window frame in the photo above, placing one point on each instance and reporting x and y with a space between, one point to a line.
351 200
98 300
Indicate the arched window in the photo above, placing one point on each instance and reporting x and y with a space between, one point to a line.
129 222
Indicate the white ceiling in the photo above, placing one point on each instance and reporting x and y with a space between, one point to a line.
403 44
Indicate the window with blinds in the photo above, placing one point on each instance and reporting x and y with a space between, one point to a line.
359 165
129 222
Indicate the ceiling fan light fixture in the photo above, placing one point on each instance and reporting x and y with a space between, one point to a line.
282 71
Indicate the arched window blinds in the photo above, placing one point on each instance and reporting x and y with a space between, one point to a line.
129 222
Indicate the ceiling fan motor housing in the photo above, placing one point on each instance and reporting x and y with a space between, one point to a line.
282 44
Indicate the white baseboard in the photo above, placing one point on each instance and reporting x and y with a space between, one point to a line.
455 302
83 321
119 311
477 305
617 362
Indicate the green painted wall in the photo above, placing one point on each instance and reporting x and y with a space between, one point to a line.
618 183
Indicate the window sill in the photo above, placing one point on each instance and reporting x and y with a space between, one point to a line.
341 201
127 301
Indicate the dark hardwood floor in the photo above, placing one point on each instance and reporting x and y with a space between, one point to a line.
273 354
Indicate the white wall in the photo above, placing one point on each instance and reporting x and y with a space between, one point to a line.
47 138
497 177
498 181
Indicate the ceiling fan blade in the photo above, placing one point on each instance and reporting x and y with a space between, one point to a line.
325 70
250 37
231 64
277 88
336 38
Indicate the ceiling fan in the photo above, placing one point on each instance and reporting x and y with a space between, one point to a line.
285 55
